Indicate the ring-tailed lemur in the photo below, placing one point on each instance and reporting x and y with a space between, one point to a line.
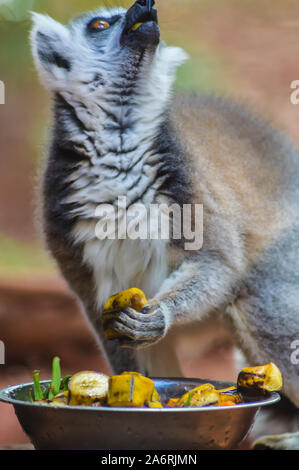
119 131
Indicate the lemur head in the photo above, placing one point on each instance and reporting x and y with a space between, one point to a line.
105 51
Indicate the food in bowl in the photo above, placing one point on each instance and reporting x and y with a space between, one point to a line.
260 379
131 389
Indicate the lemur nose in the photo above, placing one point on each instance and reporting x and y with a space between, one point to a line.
147 3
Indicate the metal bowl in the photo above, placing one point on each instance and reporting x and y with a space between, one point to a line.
102 428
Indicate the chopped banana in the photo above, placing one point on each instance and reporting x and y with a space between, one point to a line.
172 402
154 404
155 397
133 298
130 389
60 399
87 387
229 394
199 396
155 401
260 379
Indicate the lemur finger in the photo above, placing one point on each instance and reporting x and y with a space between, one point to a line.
130 313
128 322
137 316
108 316
133 324
136 326
138 335
152 316
137 323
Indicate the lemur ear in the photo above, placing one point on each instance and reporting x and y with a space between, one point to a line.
50 43
176 57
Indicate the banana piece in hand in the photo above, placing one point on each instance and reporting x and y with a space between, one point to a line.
133 298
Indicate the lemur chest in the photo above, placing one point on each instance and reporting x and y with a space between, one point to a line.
115 240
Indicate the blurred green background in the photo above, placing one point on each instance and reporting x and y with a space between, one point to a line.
245 48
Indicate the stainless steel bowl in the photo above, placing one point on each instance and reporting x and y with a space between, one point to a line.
82 427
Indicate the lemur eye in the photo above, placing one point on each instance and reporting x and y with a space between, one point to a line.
99 24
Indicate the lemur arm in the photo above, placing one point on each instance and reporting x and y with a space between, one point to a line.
199 286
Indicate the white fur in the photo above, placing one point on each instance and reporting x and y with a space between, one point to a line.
60 35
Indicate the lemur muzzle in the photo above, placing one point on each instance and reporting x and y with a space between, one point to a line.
141 25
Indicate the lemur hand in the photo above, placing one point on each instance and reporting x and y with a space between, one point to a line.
135 329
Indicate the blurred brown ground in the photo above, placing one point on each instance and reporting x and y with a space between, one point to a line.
258 43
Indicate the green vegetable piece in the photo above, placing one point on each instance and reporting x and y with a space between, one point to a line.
38 394
31 396
189 398
65 383
56 378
